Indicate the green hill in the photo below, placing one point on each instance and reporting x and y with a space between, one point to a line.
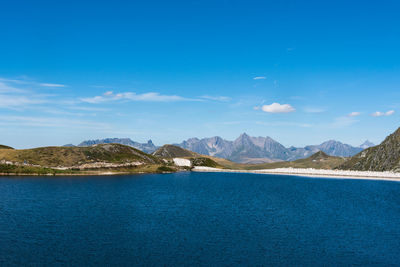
171 151
319 160
73 156
5 147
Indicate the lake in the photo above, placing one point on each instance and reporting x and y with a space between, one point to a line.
198 219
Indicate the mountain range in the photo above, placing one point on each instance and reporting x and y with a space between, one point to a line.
148 147
244 149
248 149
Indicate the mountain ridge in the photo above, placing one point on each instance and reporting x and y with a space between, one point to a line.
244 149
148 147
252 150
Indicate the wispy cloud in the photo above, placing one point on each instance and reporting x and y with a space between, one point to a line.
341 122
5 88
29 82
216 98
16 81
52 85
354 114
381 114
87 108
17 101
23 94
131 96
259 78
277 108
13 97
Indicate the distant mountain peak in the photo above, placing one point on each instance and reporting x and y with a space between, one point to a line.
247 149
244 135
148 147
367 144
332 142
150 142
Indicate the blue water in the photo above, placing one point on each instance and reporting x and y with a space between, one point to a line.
198 219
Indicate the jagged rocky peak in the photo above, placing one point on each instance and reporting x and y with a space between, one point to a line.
150 143
243 136
192 140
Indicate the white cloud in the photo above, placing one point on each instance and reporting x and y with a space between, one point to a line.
354 114
148 97
277 108
380 114
52 85
377 114
259 78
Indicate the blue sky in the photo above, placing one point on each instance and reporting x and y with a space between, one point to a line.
301 72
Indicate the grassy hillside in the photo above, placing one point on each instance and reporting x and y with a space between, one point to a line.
384 157
14 169
319 160
5 147
45 159
171 151
226 164
72 156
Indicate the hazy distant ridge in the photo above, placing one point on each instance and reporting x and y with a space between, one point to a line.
148 147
